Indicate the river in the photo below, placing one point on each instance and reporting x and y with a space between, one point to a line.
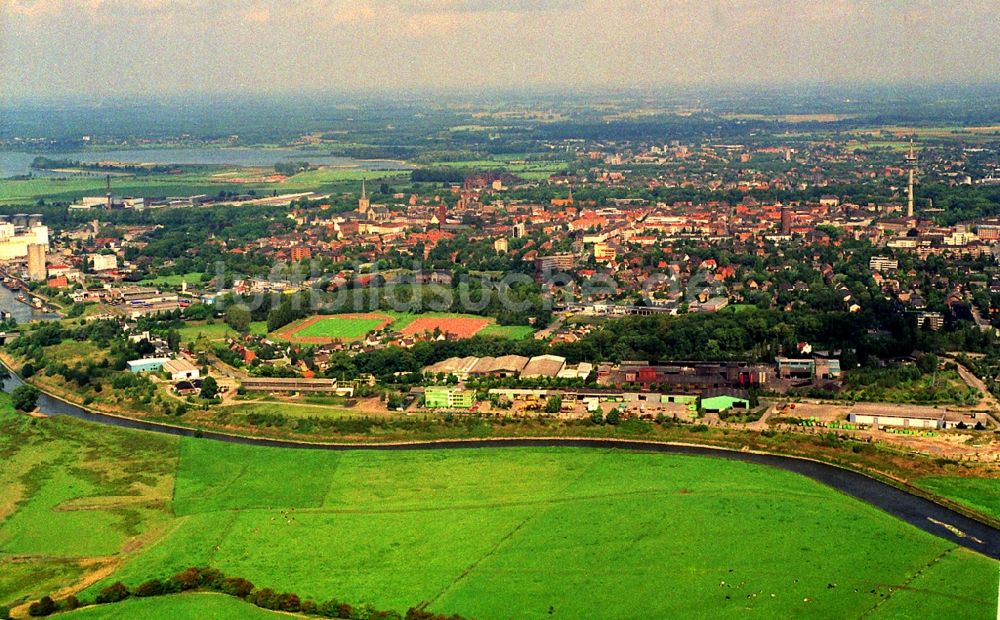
22 313
918 511
13 163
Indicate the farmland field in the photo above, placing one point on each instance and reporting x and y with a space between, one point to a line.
546 532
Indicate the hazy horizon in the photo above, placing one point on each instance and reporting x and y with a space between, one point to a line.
83 48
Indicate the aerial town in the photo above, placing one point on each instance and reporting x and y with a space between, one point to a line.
520 276
456 309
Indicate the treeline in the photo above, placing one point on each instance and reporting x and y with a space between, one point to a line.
289 168
46 163
438 175
197 579
861 338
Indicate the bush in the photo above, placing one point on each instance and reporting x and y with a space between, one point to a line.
264 597
187 579
211 577
117 591
236 586
4 613
153 587
289 601
44 606
69 603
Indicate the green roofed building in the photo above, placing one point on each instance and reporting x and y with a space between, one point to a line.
724 402
448 398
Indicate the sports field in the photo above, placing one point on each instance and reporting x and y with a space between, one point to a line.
525 532
457 326
323 329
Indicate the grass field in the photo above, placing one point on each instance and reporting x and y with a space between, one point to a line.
208 181
290 409
511 332
982 494
193 331
341 328
201 606
175 280
73 496
518 532
322 329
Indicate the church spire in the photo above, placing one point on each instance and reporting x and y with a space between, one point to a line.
363 203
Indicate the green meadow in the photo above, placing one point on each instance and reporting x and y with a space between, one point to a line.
203 606
209 181
982 494
514 532
197 330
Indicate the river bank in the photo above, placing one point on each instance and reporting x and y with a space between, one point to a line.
927 512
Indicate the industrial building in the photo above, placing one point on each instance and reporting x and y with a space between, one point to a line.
147 364
686 377
179 369
926 418
440 397
20 232
808 368
543 366
36 262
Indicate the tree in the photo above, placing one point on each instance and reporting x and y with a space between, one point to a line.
4 374
42 607
209 388
554 404
238 317
614 416
25 397
927 363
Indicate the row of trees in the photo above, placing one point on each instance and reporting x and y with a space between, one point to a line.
213 580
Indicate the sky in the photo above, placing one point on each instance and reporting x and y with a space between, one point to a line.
141 47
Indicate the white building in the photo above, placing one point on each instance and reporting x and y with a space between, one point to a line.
15 244
915 417
103 262
180 369
883 263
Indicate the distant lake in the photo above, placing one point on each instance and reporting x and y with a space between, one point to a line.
13 163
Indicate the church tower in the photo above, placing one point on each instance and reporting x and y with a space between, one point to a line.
364 205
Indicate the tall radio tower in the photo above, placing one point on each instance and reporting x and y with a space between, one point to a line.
911 164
